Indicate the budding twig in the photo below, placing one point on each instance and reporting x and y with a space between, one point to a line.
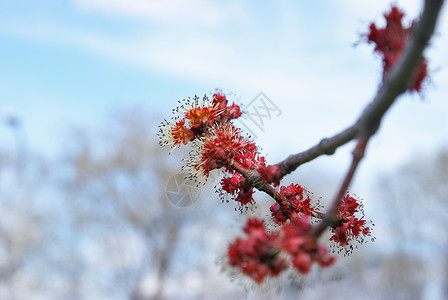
330 218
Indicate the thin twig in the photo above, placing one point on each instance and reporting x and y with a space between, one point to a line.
330 218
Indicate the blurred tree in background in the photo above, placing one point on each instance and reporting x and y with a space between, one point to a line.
115 184
414 202
21 233
409 260
417 194
96 224
102 226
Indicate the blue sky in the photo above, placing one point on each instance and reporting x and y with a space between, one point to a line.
73 62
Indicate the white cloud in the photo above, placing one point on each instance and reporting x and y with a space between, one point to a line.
322 91
199 56
201 12
249 59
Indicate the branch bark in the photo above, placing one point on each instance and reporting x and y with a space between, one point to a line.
395 83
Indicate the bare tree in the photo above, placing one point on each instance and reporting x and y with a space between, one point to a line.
21 230
115 183
415 203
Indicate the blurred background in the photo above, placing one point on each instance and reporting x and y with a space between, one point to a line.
84 205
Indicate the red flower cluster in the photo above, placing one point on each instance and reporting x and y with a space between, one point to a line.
303 248
237 187
220 147
218 144
390 42
349 227
194 118
229 112
260 254
297 202
180 134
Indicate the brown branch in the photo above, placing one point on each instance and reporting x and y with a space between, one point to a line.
255 180
394 84
326 146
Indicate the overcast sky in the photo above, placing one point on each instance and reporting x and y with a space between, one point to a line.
73 62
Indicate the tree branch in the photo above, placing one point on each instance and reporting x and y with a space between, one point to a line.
326 146
395 83
330 218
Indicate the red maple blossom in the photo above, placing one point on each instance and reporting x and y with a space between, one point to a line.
297 202
349 227
259 254
390 42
